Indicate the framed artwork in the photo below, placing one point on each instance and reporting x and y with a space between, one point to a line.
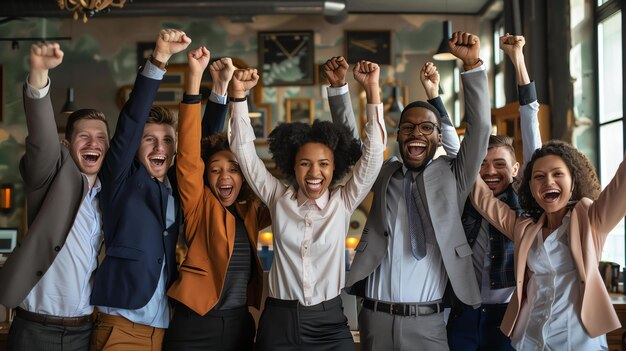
176 74
168 97
286 58
144 50
372 46
261 120
299 110
2 93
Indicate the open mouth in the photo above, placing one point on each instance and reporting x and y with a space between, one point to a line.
225 191
91 157
416 149
157 161
551 195
313 185
492 182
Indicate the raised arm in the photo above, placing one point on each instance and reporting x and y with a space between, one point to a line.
496 212
43 149
339 102
134 114
513 46
215 113
429 76
610 207
366 169
189 164
241 138
473 148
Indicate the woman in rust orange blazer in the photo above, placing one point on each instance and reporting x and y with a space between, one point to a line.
560 302
221 274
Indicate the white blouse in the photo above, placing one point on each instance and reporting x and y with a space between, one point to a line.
550 316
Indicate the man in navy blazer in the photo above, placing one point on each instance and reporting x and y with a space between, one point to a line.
139 214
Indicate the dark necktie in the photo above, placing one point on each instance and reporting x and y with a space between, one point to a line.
418 241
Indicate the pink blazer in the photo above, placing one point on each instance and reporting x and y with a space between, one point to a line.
589 226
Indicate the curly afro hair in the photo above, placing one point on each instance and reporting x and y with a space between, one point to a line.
585 180
286 139
212 145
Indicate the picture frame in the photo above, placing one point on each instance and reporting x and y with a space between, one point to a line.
168 97
299 110
286 58
144 50
370 45
262 125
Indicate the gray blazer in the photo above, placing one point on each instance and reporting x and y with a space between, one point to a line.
54 190
447 183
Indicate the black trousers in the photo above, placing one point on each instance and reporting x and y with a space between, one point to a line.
27 335
217 330
287 325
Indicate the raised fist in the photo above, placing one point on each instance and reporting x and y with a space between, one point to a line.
429 76
222 71
335 70
512 45
198 60
45 56
170 42
243 80
465 46
366 73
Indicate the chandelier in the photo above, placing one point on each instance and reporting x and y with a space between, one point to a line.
88 8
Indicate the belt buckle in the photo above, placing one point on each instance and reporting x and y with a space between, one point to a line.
397 308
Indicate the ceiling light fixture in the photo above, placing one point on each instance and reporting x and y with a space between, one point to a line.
89 8
443 51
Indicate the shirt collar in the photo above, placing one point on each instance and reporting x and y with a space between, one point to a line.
320 202
404 169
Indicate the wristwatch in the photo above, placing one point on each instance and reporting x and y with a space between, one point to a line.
157 63
477 64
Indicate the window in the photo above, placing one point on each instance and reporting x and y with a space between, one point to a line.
499 98
610 110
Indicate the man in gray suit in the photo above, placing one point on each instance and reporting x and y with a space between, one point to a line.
413 242
48 277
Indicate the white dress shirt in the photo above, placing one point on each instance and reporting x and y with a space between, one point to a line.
309 235
549 318
64 290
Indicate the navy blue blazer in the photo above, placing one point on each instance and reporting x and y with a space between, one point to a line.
134 209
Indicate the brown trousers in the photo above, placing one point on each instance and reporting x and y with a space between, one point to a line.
115 333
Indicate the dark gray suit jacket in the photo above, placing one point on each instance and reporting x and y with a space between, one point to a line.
54 190
447 183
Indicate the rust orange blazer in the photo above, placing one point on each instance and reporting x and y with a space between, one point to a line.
590 223
209 227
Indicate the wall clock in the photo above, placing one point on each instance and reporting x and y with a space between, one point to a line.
286 58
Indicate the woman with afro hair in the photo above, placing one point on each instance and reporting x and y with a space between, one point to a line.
560 301
309 217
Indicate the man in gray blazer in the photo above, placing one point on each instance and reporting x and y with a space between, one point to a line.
413 243
48 277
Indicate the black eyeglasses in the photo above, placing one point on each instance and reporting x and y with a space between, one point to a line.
426 128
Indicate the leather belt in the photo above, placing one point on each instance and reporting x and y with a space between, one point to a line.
403 309
47 319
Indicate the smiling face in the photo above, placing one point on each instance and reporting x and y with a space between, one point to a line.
314 167
416 148
88 144
498 169
551 184
157 149
224 177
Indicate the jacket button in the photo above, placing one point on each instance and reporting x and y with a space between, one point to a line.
385 233
57 248
159 260
39 273
165 233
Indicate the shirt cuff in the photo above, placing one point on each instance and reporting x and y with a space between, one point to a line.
527 93
34 93
218 99
151 71
477 69
192 99
338 91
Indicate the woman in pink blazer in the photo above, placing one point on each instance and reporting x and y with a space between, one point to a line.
560 301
